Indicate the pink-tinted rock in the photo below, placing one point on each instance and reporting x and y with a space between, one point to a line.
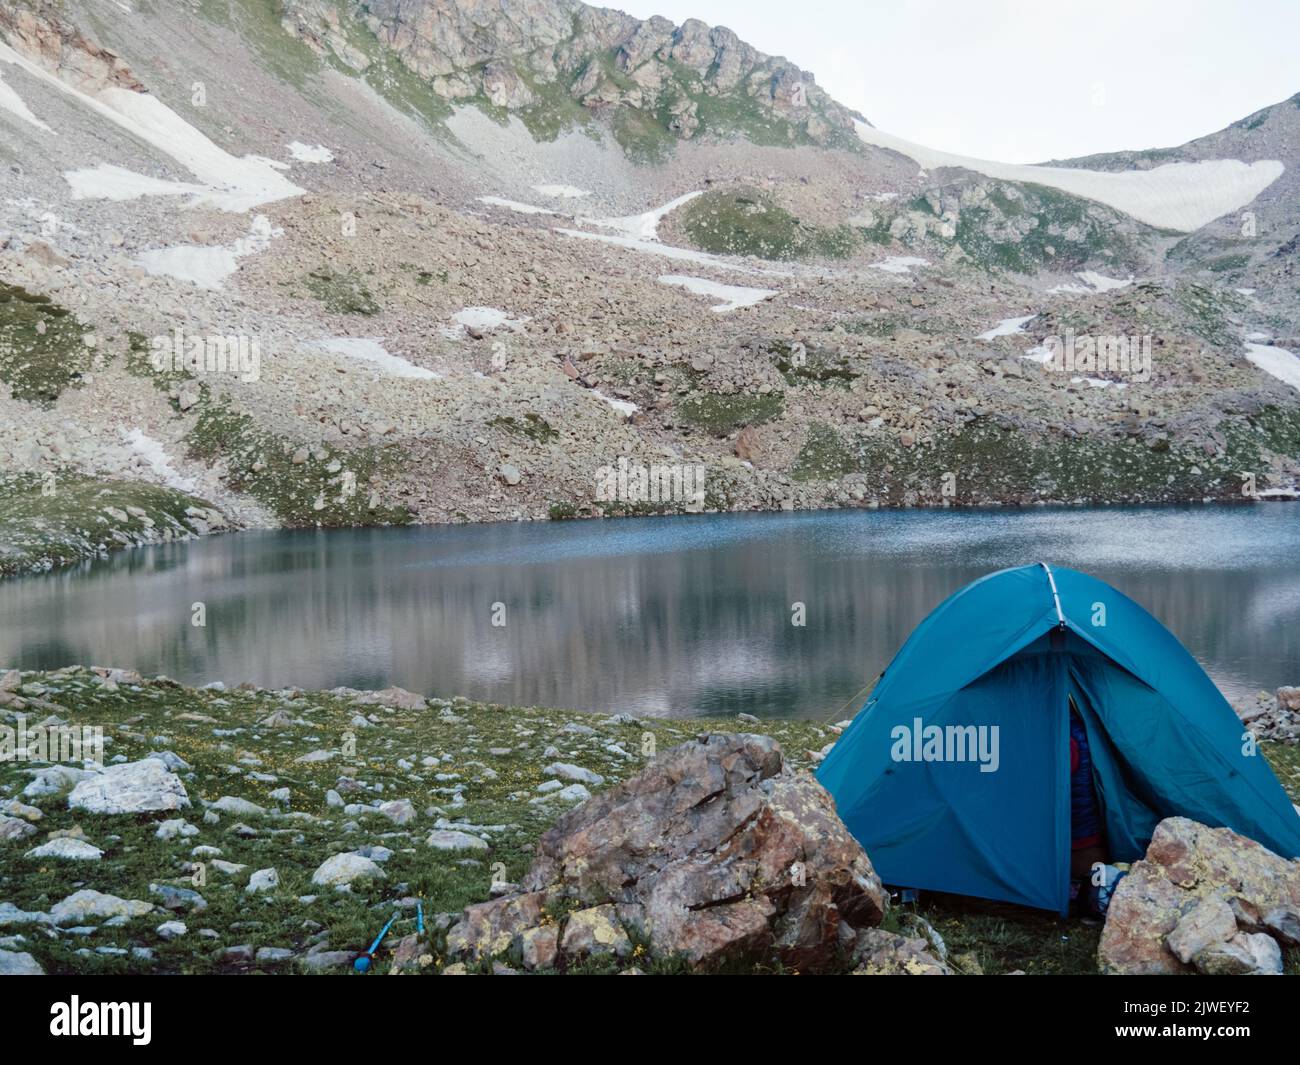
716 852
1188 866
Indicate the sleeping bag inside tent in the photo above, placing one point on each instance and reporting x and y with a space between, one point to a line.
955 775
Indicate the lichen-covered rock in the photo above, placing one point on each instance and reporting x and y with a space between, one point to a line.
881 953
1243 954
540 946
594 931
1209 921
489 929
410 955
717 851
445 839
1169 915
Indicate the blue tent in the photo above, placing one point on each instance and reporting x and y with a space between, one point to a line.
955 776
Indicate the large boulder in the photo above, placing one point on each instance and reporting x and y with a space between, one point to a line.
1199 902
130 788
717 851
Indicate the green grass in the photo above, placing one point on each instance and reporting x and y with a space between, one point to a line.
312 492
1227 263
533 426
746 221
134 858
722 414
1209 313
42 347
1068 232
61 518
824 456
496 753
341 293
993 463
643 138
816 366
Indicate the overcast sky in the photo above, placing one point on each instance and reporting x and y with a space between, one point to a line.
1027 80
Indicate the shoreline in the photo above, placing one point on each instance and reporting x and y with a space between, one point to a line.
142 527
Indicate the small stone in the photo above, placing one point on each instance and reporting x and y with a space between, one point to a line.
176 827
344 869
68 849
571 772
232 804
449 840
399 811
262 880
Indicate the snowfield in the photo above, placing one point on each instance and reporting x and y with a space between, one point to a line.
371 350
156 457
227 182
306 153
13 103
731 297
1277 362
514 205
644 226
209 266
1007 327
1178 196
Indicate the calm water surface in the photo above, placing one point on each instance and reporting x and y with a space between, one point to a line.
682 616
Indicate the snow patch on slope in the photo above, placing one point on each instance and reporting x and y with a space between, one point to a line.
209 267
228 182
1278 362
480 319
644 226
1007 327
306 153
371 350
155 455
1093 282
731 296
1179 196
623 406
899 264
654 247
513 205
13 103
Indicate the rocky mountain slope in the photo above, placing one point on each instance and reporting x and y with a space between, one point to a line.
311 262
